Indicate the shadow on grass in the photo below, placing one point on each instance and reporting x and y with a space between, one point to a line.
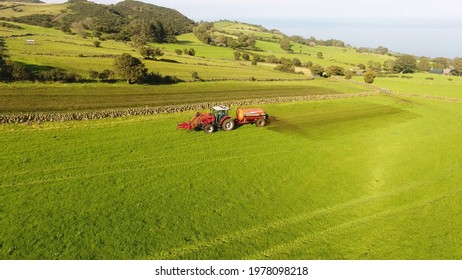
325 123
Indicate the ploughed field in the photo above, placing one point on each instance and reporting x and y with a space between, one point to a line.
361 178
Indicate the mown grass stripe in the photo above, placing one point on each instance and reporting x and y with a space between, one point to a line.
306 239
253 232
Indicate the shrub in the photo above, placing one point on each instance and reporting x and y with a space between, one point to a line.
195 76
59 75
335 70
237 55
308 64
369 76
317 70
348 74
285 68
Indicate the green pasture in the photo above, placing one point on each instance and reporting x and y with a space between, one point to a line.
54 48
35 97
424 84
231 27
361 178
77 54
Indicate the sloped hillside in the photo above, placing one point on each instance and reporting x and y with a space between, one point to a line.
122 20
171 19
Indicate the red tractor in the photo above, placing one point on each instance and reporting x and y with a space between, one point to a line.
219 118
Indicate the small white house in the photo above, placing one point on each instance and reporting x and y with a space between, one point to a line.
30 42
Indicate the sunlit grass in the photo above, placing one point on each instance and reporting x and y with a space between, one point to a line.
365 178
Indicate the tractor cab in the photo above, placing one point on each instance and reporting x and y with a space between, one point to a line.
219 112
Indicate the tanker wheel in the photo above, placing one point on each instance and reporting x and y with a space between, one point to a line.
209 128
260 122
227 125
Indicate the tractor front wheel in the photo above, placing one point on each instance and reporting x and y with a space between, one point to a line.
260 122
227 125
209 128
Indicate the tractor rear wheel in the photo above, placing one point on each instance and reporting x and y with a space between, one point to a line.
260 122
209 128
227 125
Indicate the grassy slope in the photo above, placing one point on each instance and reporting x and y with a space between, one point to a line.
53 48
365 178
68 50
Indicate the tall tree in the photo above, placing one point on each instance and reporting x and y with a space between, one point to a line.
130 68
405 64
424 65
441 62
150 52
285 44
457 64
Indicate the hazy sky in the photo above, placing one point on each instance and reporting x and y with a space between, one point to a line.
425 27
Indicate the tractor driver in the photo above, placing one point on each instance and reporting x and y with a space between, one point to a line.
220 115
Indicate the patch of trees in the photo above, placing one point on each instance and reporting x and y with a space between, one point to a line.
36 19
457 67
288 65
133 71
204 32
9 25
285 44
379 50
127 21
405 64
334 71
312 41
11 71
173 22
186 51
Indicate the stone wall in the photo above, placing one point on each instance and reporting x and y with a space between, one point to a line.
115 113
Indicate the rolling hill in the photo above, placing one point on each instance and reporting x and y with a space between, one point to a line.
82 14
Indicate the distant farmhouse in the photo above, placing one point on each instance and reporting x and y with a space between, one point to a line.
441 71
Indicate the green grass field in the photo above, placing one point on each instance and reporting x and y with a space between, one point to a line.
363 178
373 177
424 84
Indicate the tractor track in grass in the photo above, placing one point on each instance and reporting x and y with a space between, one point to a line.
128 170
283 223
430 97
288 247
